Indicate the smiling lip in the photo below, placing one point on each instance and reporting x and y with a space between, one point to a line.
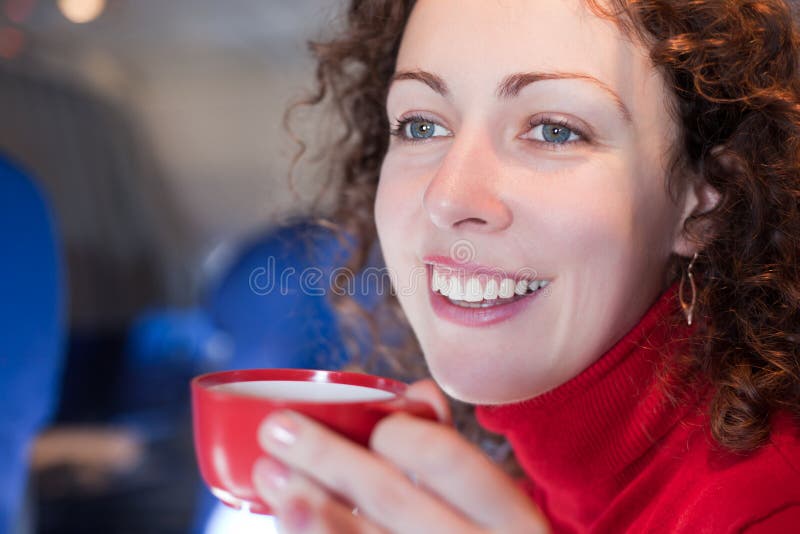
448 311
471 269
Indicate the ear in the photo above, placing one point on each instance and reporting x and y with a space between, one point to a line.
698 198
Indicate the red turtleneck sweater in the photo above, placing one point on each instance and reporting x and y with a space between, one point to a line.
608 452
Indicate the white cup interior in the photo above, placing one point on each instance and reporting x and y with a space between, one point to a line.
305 391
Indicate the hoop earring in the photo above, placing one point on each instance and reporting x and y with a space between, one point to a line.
688 309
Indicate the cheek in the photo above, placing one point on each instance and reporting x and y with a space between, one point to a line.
617 210
606 229
397 200
386 218
396 217
382 213
583 218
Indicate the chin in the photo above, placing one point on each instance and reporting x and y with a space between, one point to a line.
476 378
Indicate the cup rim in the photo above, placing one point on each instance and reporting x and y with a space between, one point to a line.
205 383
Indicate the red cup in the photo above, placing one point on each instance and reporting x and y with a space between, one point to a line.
226 422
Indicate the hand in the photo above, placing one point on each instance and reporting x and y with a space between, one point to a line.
321 477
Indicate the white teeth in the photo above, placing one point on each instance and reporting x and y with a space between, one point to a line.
442 281
492 289
506 288
521 287
473 291
457 290
444 285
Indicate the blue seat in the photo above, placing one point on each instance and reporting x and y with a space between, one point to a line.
267 307
247 318
271 303
32 329
271 300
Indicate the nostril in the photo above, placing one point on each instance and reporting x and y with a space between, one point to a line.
475 220
473 207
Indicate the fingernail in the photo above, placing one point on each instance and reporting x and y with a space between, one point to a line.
271 474
280 429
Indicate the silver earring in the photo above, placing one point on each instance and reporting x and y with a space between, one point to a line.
688 309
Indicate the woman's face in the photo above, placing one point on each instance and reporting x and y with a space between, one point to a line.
531 146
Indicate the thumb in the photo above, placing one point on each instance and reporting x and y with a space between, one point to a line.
427 391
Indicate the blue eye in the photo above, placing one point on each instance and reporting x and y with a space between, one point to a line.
547 132
418 128
555 133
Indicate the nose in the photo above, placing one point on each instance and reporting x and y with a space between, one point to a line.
464 191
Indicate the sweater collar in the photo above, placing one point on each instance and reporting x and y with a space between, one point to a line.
580 443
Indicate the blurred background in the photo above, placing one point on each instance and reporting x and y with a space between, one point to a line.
143 177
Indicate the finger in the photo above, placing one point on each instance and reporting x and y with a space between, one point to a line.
454 469
300 505
381 491
427 391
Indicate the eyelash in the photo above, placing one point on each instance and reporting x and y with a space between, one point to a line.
398 130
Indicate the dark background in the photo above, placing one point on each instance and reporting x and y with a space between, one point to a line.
154 131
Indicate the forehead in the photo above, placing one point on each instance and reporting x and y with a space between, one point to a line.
472 42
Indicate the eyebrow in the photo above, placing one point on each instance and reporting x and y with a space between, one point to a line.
512 84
